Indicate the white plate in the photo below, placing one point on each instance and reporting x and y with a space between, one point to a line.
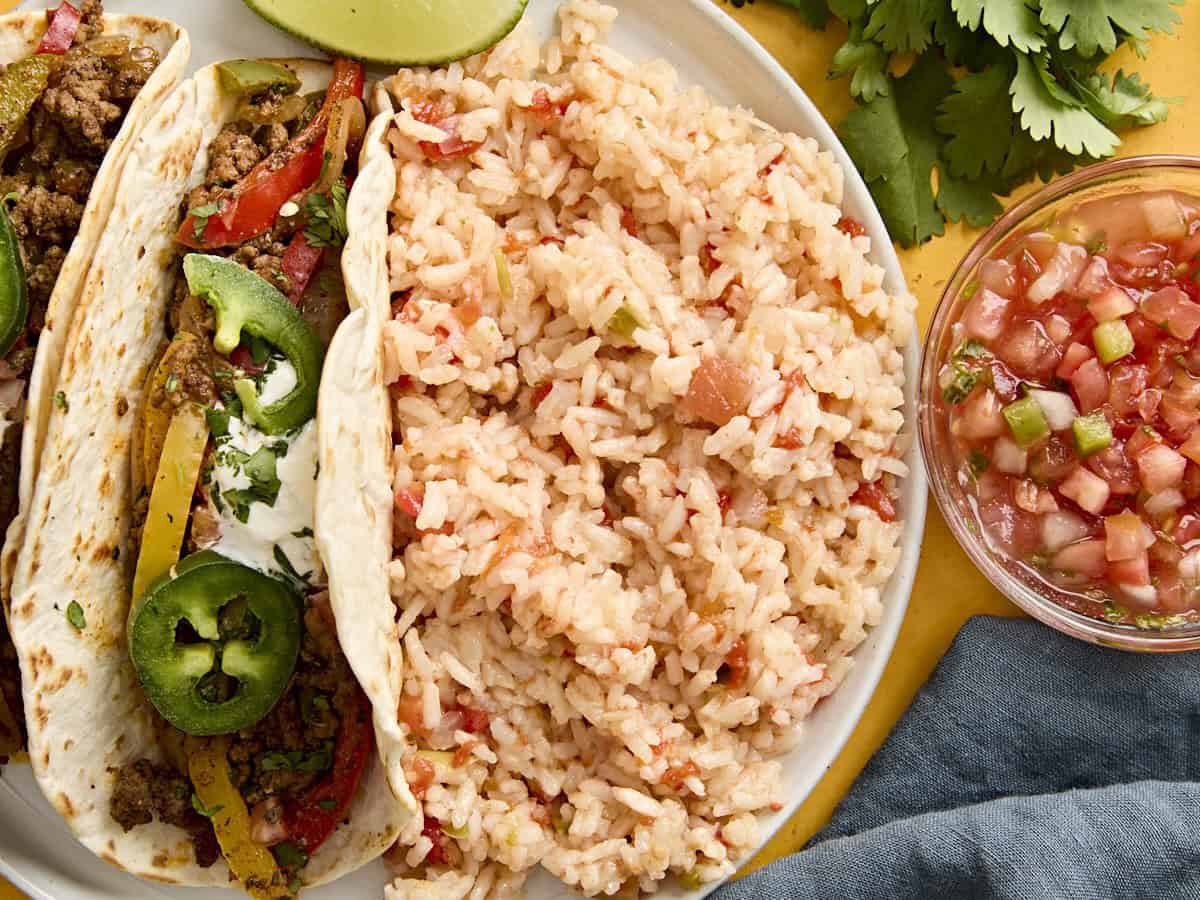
708 48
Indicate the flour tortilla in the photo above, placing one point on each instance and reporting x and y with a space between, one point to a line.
354 491
86 711
20 34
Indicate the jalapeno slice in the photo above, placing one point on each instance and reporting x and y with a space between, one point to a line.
214 643
14 305
243 301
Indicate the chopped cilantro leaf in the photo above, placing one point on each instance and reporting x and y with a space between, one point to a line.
207 812
971 348
201 215
328 804
287 569
75 616
218 421
289 856
60 400
312 762
978 463
326 226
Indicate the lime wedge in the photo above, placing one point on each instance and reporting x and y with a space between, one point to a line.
395 32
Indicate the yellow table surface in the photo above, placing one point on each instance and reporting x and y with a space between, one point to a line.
948 588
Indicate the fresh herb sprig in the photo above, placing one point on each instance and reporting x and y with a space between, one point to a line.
996 93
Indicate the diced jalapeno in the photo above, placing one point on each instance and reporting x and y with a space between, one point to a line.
1026 421
1092 433
253 76
1113 340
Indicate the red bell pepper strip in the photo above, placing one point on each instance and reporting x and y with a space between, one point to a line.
251 206
60 33
299 263
312 818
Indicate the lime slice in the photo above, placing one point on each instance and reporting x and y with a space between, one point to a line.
395 32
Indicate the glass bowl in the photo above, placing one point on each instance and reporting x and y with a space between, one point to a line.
1116 177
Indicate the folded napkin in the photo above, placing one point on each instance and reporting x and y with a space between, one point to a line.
1030 766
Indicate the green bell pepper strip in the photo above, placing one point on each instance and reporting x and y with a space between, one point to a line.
246 302
21 84
14 302
172 673
253 76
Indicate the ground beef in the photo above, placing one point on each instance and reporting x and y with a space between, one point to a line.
143 792
64 140
275 137
233 155
90 24
191 369
80 98
10 460
306 719
264 257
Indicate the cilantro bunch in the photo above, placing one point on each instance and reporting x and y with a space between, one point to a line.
997 92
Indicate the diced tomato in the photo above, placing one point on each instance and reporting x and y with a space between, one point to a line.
1075 356
1053 461
1171 308
1191 482
719 390
453 147
1112 303
1126 382
1090 385
432 829
541 392
1114 466
1134 571
986 315
737 661
1146 334
1060 272
1140 441
1028 350
475 721
244 360
1084 558
1016 531
1004 383
1125 536
1191 447
851 226
1187 530
874 495
410 502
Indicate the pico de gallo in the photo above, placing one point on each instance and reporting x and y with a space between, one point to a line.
1072 389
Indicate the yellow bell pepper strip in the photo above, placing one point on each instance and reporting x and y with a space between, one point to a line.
250 862
21 84
156 417
171 496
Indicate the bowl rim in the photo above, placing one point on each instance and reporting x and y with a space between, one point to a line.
1042 608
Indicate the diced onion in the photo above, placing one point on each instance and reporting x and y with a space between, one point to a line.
1059 409
1062 528
1143 594
1008 458
1163 216
1163 502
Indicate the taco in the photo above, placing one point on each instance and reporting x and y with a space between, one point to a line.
170 592
78 85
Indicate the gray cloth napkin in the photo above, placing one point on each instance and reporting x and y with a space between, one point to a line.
1030 766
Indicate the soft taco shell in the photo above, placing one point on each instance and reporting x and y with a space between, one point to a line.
354 490
20 34
86 711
